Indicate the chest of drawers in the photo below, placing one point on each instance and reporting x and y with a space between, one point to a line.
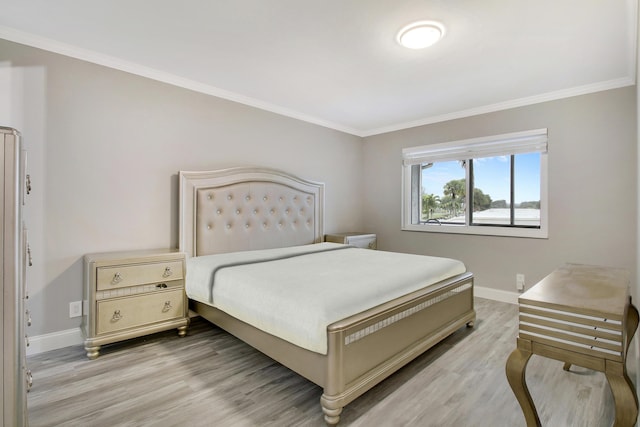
130 294
15 257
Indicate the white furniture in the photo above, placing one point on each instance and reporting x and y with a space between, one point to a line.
359 240
130 294
16 378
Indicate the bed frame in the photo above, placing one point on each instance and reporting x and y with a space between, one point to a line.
256 208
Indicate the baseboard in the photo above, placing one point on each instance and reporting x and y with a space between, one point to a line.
496 294
54 341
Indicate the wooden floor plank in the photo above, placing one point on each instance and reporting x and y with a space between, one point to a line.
209 378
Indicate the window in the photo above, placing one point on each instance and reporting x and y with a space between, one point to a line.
493 185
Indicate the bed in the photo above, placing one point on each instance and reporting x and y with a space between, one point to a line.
242 225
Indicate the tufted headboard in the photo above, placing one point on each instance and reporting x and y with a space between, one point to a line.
247 208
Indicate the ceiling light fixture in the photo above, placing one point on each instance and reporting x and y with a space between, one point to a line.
420 34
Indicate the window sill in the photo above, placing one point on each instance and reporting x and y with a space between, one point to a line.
532 233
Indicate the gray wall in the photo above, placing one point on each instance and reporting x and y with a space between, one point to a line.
592 189
105 148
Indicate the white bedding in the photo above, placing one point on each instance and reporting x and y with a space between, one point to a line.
310 287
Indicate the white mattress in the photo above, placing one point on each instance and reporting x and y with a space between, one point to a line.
295 293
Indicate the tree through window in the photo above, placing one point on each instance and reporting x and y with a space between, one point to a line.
493 182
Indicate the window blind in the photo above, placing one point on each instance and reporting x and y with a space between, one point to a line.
530 141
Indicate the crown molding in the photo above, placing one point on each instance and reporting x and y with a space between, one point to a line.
507 105
87 55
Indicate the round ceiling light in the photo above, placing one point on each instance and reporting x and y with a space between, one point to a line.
420 34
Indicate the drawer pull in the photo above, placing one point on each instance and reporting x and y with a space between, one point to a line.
29 379
28 183
167 306
28 313
26 341
117 278
116 316
161 286
167 272
29 255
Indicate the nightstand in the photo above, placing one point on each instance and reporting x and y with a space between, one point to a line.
130 294
360 240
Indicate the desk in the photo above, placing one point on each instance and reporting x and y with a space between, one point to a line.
581 315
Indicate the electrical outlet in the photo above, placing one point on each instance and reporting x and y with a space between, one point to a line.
75 309
520 282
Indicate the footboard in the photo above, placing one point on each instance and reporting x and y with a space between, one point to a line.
366 348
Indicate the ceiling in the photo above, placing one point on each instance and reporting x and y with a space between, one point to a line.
336 62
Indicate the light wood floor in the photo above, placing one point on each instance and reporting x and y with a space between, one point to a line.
209 378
